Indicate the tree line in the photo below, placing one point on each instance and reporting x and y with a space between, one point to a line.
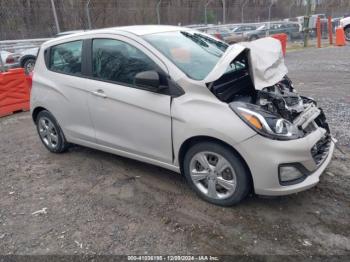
21 19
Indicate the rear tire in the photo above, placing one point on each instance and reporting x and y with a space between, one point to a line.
216 173
50 133
253 37
29 65
347 33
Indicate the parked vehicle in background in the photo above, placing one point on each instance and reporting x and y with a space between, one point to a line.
185 101
313 20
292 30
69 32
345 24
221 33
243 28
237 33
9 60
336 22
27 60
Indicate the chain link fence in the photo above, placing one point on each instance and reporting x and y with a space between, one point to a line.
21 19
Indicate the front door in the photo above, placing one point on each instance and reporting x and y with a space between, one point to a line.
127 118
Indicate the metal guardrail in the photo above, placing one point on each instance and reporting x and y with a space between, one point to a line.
228 25
24 40
15 46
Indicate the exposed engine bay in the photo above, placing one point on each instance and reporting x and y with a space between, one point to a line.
252 79
282 99
278 107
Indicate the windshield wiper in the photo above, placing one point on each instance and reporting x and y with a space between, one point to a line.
195 38
198 39
220 45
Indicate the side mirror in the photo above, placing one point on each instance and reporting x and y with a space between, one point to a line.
147 79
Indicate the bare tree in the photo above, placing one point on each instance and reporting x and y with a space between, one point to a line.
34 18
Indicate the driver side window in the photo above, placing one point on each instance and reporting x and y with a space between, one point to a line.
117 61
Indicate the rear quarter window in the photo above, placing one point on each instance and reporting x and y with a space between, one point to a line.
66 58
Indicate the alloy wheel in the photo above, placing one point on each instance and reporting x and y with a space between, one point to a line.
48 132
29 67
213 175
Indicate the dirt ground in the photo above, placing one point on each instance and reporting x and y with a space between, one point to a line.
98 203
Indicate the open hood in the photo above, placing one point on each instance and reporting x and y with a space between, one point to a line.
266 62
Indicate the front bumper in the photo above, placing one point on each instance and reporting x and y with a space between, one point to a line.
264 156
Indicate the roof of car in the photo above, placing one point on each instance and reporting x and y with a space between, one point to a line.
147 29
138 30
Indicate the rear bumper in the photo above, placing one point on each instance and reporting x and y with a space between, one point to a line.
14 65
264 156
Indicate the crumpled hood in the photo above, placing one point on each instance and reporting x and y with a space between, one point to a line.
266 62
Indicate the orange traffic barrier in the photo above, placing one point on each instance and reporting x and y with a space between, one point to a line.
330 30
14 92
283 40
318 31
339 37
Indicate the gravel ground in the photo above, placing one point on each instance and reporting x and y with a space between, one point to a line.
97 203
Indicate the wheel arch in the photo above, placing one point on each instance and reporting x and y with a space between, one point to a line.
199 139
25 58
36 111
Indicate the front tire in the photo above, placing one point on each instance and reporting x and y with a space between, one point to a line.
216 173
50 133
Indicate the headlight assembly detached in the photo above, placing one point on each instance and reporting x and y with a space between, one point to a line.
265 123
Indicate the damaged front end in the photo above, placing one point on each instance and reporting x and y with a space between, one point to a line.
279 112
257 89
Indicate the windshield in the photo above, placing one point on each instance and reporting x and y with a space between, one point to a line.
193 53
263 27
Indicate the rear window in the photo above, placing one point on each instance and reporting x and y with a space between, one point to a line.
66 58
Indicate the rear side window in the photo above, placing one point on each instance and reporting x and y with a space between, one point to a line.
66 58
117 61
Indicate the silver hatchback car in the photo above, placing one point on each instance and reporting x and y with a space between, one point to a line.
226 117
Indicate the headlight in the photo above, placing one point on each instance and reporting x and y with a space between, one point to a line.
266 123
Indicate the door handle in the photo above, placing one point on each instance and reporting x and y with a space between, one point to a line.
99 93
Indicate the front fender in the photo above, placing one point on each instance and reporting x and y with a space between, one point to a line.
193 117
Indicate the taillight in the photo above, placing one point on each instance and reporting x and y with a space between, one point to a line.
218 36
10 59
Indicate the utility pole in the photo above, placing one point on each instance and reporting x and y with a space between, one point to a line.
269 23
307 23
158 11
88 14
242 10
55 16
290 8
205 12
224 11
